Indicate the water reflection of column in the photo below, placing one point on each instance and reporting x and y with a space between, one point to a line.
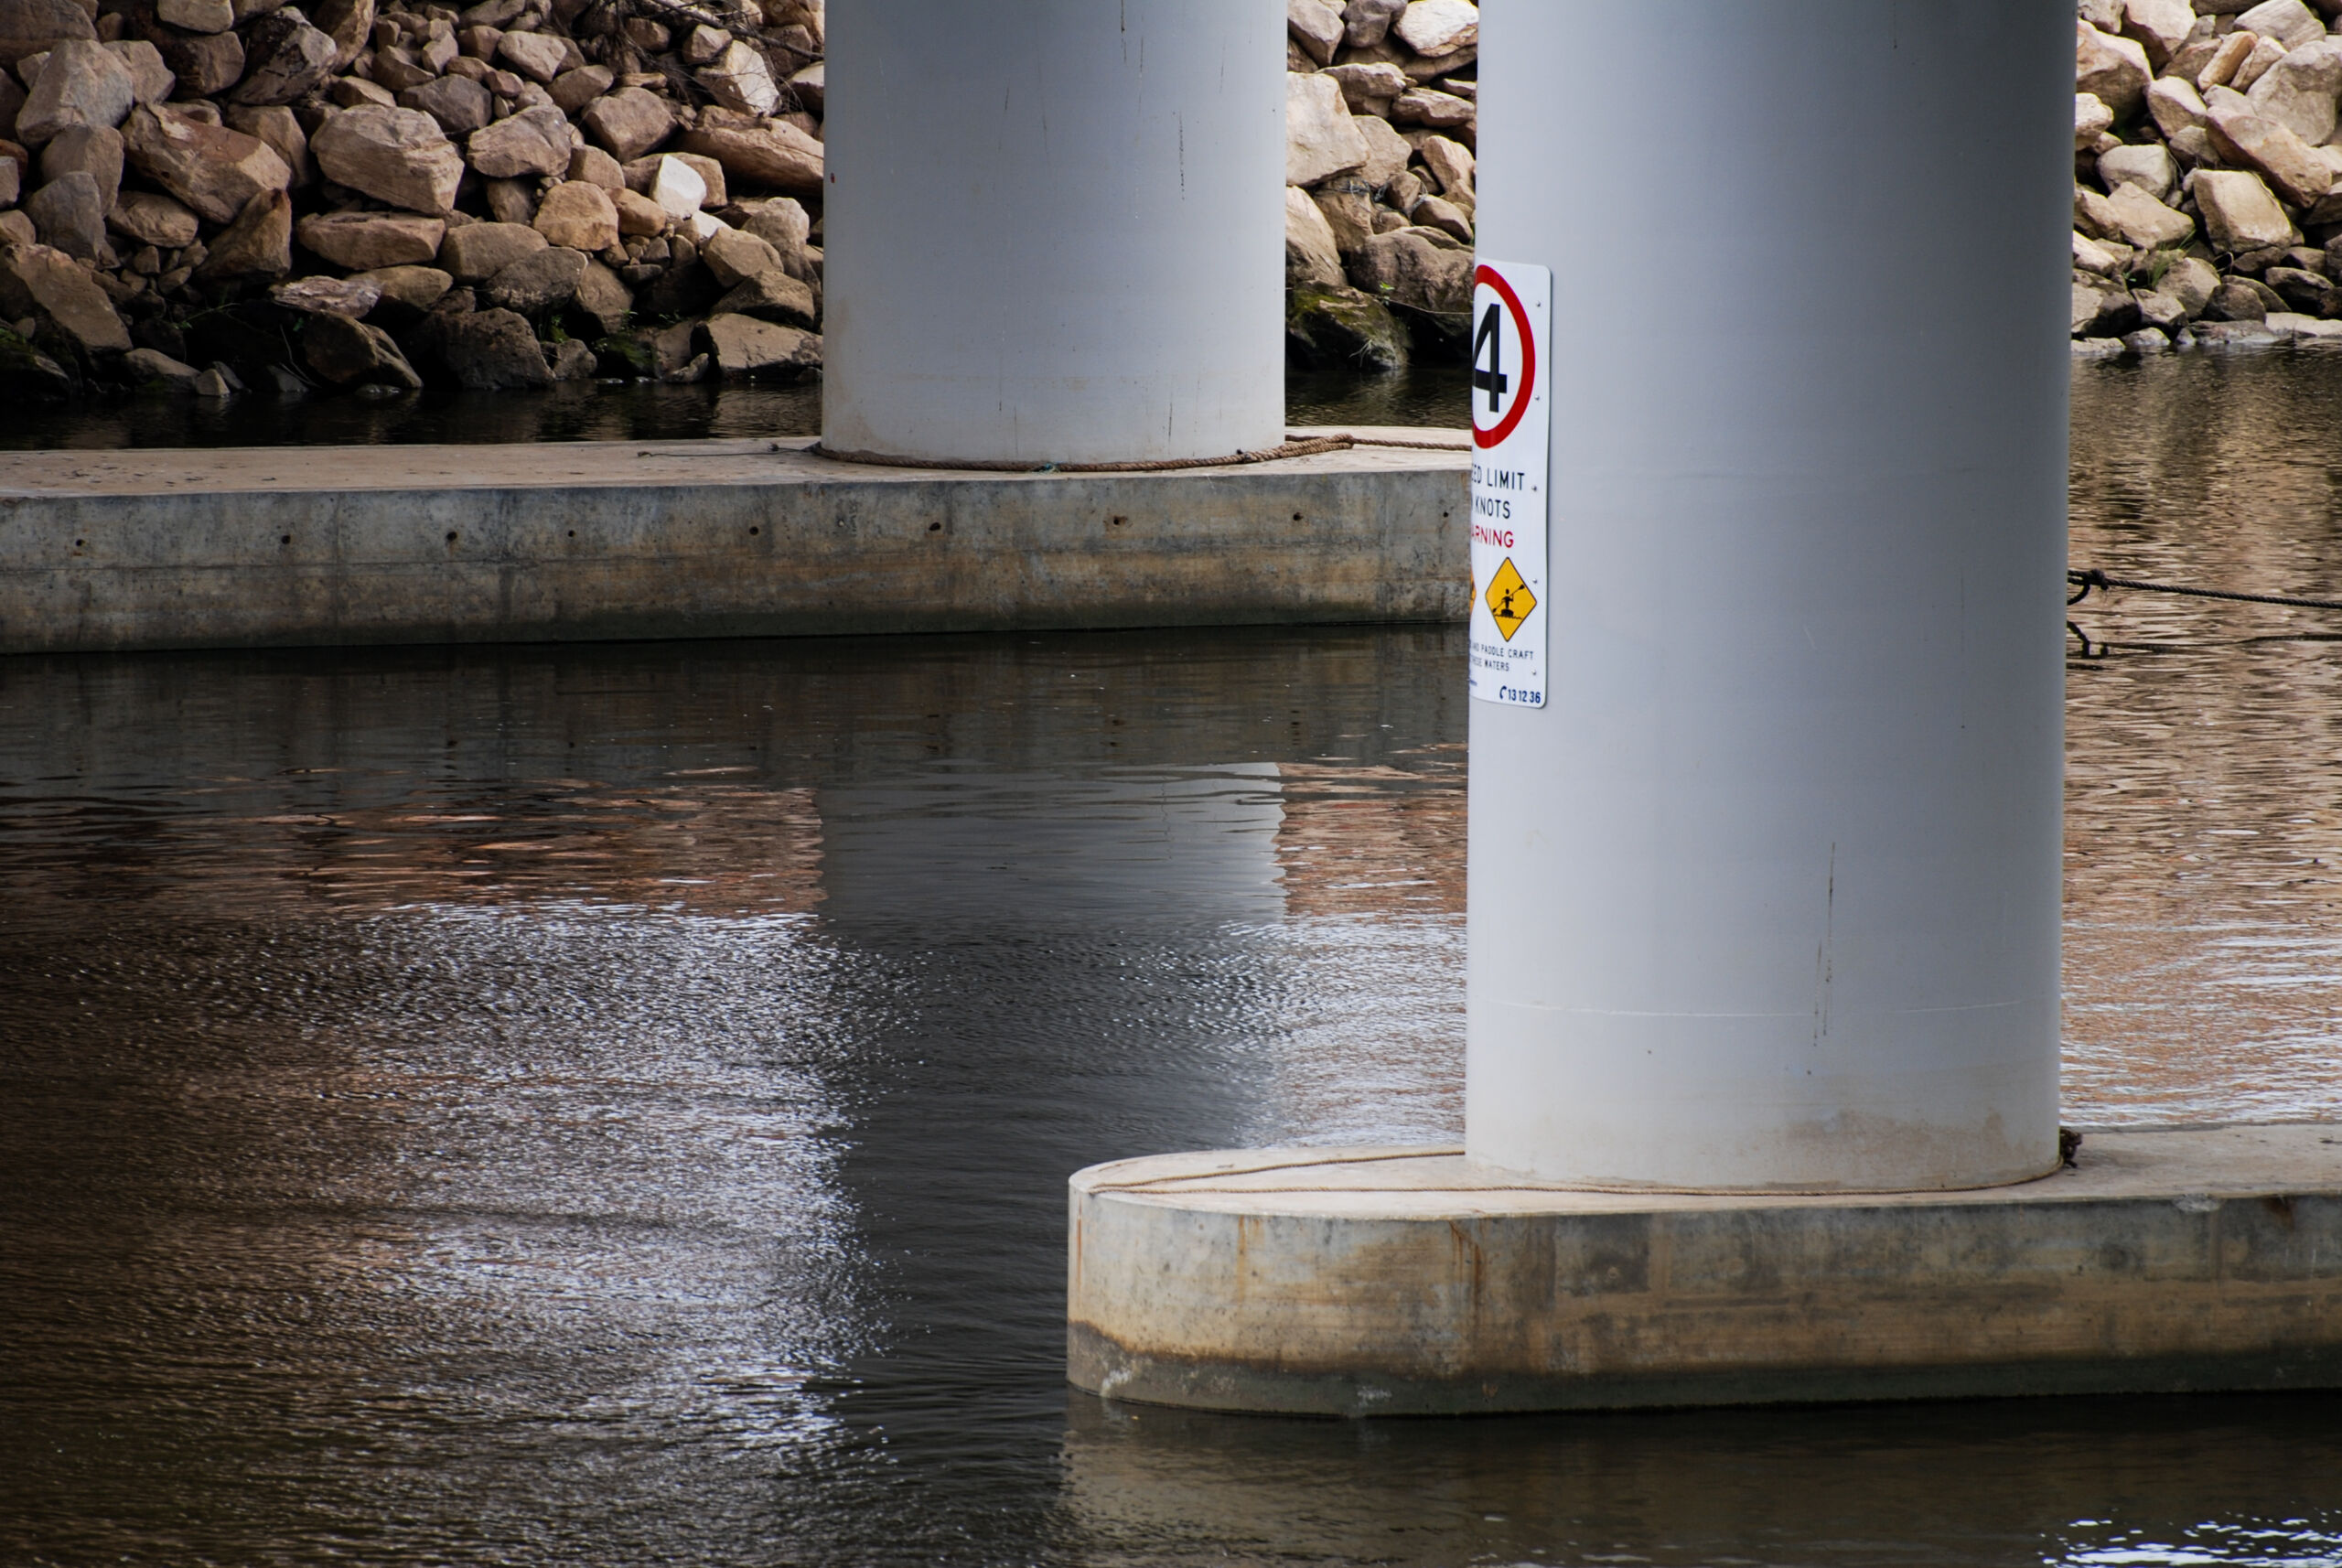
1053 228
1767 897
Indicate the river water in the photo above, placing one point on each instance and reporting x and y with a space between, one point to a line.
611 1104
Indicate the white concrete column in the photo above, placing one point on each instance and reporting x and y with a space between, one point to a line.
1766 897
1054 229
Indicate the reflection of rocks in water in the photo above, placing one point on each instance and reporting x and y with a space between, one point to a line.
1372 840
1982 1482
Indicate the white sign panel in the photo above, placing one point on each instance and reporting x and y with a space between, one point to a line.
1512 308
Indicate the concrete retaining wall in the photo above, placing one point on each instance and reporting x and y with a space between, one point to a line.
604 540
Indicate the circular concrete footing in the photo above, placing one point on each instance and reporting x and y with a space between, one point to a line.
1393 1280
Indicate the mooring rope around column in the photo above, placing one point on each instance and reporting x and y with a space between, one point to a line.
1293 447
2083 580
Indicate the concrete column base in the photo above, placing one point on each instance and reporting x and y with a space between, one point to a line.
1409 1281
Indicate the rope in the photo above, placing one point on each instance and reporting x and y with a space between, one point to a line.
2093 578
1293 447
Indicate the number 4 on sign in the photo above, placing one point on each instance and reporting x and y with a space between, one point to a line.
1490 337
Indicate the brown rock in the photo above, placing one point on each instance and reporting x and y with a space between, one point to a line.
46 283
277 125
479 251
579 215
83 82
214 170
629 123
1425 107
203 63
152 218
69 212
735 256
356 92
638 214
533 142
321 296
197 16
511 200
537 283
151 80
258 244
743 346
34 26
573 90
362 241
776 156
2295 171
351 353
284 58
601 295
488 349
396 156
93 150
405 291
349 23
537 56
1419 268
596 167
773 295
459 104
400 68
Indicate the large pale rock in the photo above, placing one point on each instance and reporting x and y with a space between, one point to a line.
2092 119
638 214
775 155
1438 27
773 295
1349 214
1419 268
1315 26
34 26
2111 69
488 350
537 56
93 150
258 244
580 215
284 58
322 295
537 283
477 252
395 155
363 242
741 78
152 218
204 63
2138 220
743 346
2091 256
2160 27
2290 22
214 170
278 126
677 188
2239 214
45 283
782 223
2292 168
735 256
69 212
535 141
2227 58
81 83
2175 105
1428 106
460 104
2146 165
1369 85
2190 281
1387 152
2265 53
1321 139
2299 92
1312 255
629 123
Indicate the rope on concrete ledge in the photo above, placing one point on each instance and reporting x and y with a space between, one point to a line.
1311 448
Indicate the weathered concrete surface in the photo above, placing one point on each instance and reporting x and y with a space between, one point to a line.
593 541
1359 1282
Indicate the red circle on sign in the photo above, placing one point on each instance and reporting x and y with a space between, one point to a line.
1495 280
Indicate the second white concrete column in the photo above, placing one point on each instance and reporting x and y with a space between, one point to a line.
1766 897
1054 229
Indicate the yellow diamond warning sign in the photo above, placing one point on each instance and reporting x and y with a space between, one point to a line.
1509 600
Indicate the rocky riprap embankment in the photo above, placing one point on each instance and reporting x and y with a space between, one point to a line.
1381 108
2207 202
220 194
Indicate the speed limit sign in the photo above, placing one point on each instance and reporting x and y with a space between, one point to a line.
1511 334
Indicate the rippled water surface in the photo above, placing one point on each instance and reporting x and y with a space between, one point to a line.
611 1105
